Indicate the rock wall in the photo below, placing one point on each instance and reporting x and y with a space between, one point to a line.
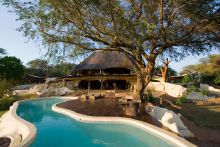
209 88
168 88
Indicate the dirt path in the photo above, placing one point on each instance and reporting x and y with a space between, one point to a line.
204 137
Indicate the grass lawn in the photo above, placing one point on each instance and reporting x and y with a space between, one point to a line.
2 112
202 115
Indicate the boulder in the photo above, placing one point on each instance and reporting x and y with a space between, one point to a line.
169 119
55 91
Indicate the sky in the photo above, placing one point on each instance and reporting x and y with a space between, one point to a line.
17 45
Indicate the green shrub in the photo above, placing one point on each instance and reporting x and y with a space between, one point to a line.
204 92
192 88
181 100
150 97
217 80
4 87
187 79
6 102
207 79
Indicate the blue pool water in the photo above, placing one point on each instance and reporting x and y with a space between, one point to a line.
57 130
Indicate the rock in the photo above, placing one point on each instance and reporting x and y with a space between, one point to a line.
169 119
128 97
198 96
173 90
210 88
83 96
22 87
92 97
16 139
55 91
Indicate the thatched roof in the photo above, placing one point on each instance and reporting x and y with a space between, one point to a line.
104 60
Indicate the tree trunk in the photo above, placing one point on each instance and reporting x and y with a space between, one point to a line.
164 72
139 87
144 76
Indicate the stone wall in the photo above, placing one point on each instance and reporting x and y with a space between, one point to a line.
168 88
209 88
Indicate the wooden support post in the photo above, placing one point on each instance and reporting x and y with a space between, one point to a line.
101 85
88 86
64 83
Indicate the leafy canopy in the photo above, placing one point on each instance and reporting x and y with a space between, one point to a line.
209 65
142 29
209 68
38 64
11 69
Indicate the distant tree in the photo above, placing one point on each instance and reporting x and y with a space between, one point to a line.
61 69
141 29
169 71
38 64
33 75
41 68
209 68
3 51
11 69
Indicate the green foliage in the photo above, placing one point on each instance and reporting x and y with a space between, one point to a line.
141 29
41 68
150 97
4 87
187 79
38 64
217 80
204 92
11 69
208 67
181 100
123 25
62 69
192 88
6 102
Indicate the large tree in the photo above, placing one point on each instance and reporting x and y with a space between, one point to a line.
11 69
143 29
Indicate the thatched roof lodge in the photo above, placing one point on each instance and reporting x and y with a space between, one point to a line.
102 70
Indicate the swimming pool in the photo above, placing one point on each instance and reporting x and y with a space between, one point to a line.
57 130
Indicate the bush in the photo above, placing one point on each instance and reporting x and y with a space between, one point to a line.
207 79
6 102
181 100
187 79
204 92
150 97
4 87
217 80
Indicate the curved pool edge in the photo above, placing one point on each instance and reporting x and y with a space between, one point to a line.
136 123
25 128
